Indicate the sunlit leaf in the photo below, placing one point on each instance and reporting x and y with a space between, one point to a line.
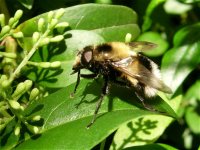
66 124
183 57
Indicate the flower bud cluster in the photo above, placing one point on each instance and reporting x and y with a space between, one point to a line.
8 29
13 98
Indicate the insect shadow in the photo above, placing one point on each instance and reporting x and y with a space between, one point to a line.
95 87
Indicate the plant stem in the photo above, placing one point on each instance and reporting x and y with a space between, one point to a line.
27 57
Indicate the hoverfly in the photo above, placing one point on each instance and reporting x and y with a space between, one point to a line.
122 64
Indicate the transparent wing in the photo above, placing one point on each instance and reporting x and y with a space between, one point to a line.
136 70
142 46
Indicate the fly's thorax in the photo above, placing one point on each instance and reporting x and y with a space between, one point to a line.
113 51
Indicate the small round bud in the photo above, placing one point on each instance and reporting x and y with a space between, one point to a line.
50 16
14 104
40 24
18 14
17 130
5 83
45 64
53 23
35 37
55 64
36 118
33 129
19 90
34 93
28 84
3 77
2 20
18 35
59 13
57 38
62 25
8 55
11 21
5 30
44 41
22 108
128 37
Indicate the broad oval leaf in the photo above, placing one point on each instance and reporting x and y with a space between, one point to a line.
183 58
190 1
193 98
156 146
143 130
90 24
156 38
66 125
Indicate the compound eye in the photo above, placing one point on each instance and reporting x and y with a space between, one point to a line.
86 56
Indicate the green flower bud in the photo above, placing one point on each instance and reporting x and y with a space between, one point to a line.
53 23
5 83
14 104
35 37
50 16
18 15
59 13
40 24
36 118
22 108
8 55
19 90
2 20
11 22
44 41
57 38
128 37
33 129
17 129
5 30
55 64
62 25
18 35
28 84
34 93
3 78
45 64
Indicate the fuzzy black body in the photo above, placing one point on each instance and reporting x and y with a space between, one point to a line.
121 63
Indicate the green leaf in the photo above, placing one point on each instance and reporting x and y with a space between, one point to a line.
183 57
143 130
147 18
62 118
156 38
64 52
193 98
190 1
8 138
177 8
156 146
90 24
88 17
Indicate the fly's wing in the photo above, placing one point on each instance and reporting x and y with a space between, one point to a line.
136 70
141 46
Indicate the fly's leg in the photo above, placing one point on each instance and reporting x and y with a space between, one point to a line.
88 76
104 92
77 83
143 103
